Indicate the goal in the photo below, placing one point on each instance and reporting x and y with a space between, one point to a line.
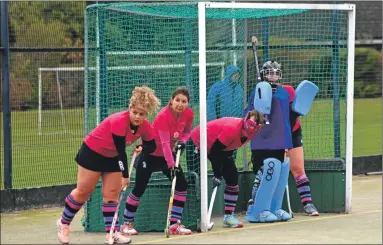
311 41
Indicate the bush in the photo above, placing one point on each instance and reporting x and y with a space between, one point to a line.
367 73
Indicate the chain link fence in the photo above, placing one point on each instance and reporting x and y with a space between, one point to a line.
47 89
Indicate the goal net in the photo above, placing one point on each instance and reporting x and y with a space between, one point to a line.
60 95
197 42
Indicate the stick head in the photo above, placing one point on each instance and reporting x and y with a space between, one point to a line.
110 240
254 40
210 226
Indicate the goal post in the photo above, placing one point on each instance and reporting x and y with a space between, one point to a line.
311 41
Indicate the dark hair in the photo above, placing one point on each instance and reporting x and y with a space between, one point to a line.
181 90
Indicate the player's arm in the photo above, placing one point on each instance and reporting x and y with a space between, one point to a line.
187 130
119 142
147 140
118 135
164 133
148 146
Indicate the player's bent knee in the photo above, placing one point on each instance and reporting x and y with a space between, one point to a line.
82 194
110 194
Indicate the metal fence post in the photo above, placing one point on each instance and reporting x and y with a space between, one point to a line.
6 97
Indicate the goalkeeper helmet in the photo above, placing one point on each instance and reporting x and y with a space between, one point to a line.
271 72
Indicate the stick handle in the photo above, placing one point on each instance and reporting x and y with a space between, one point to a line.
254 42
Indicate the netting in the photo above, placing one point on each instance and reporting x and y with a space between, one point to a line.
131 44
60 89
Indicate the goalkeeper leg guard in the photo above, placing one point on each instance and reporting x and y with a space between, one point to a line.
262 203
276 202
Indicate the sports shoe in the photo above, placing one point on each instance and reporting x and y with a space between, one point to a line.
282 215
179 229
118 238
127 229
230 221
311 210
62 232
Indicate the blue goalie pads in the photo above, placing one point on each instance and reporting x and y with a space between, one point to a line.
304 97
263 97
269 182
276 202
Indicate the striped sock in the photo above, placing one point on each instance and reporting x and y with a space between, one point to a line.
108 210
303 188
230 196
131 206
70 210
178 206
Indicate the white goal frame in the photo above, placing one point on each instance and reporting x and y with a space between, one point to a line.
202 6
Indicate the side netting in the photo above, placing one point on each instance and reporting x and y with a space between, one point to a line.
156 44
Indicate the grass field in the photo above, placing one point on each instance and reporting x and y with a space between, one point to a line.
48 159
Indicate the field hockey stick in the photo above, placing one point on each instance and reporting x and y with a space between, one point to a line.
288 197
288 201
254 43
211 224
172 195
111 240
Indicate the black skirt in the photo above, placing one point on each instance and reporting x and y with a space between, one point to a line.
91 160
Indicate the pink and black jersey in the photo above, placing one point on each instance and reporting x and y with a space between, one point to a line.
168 129
228 130
291 92
100 138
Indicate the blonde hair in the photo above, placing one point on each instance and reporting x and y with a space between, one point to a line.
145 98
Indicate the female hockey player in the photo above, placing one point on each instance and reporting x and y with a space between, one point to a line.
171 130
224 135
102 154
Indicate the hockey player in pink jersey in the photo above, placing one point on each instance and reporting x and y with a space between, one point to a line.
102 154
224 135
171 130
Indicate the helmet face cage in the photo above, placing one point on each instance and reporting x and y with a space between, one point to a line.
271 72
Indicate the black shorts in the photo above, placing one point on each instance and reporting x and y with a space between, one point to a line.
258 156
91 160
297 138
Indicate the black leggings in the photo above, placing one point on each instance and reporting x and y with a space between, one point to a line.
145 166
225 168
258 156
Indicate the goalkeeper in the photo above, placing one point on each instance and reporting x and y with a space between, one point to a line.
268 147
225 135
102 154
171 129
